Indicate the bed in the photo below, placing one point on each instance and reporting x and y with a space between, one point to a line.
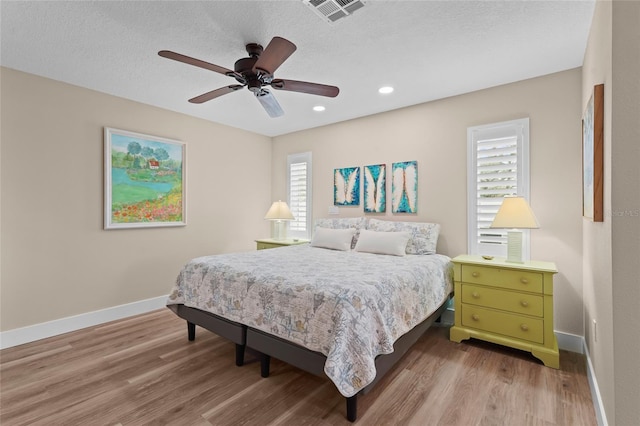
348 312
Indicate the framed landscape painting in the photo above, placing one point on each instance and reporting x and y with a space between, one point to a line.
144 181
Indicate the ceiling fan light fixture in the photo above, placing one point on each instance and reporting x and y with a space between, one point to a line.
269 103
385 90
319 108
254 85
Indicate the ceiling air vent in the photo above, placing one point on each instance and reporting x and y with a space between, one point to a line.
332 10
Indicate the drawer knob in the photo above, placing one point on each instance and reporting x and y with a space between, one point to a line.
475 317
524 281
475 295
524 303
524 327
475 274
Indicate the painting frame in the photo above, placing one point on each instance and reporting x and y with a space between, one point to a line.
144 180
592 156
404 187
346 186
375 188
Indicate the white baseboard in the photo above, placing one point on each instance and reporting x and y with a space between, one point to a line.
20 336
574 343
570 342
598 405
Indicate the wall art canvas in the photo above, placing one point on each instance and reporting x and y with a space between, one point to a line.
144 180
404 187
375 192
592 156
346 186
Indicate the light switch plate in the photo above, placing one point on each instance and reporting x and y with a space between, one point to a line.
334 210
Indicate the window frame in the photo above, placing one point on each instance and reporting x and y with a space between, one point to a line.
520 129
296 158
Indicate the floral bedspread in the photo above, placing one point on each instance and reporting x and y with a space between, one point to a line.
349 306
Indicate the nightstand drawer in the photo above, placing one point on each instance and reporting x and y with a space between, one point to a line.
513 279
512 301
520 327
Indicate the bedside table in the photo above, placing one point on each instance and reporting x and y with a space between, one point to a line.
268 243
506 303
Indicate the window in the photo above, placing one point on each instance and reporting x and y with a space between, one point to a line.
299 190
498 165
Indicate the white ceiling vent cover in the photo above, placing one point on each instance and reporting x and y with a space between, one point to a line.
332 10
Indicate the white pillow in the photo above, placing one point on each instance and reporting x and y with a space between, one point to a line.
393 243
424 236
342 223
335 239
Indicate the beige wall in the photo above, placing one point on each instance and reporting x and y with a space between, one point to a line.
57 261
435 134
597 236
612 248
625 203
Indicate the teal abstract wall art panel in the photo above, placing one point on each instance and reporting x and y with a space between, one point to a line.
375 191
346 186
404 187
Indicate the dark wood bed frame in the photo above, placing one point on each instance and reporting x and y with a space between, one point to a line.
313 362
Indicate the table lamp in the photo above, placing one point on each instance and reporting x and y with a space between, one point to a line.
515 213
279 212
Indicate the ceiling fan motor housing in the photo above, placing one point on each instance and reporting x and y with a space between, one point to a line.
244 66
254 49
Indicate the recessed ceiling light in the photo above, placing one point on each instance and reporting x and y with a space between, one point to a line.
318 108
385 90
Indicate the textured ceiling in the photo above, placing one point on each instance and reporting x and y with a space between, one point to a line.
426 49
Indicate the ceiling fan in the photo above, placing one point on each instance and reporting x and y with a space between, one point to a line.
256 72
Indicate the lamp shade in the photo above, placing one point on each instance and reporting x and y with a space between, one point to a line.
515 213
279 211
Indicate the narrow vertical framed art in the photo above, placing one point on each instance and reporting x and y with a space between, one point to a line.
144 180
346 186
592 156
404 187
375 188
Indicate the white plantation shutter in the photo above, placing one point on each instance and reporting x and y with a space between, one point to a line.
498 164
299 190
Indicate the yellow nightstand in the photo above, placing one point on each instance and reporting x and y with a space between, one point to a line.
268 243
506 303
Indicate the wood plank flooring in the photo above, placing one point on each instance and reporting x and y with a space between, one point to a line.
143 370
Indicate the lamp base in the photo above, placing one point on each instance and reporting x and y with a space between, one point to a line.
514 246
279 230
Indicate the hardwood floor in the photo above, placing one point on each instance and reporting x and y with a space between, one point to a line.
142 370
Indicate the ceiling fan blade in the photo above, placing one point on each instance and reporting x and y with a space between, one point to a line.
215 93
276 52
198 63
306 87
269 103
